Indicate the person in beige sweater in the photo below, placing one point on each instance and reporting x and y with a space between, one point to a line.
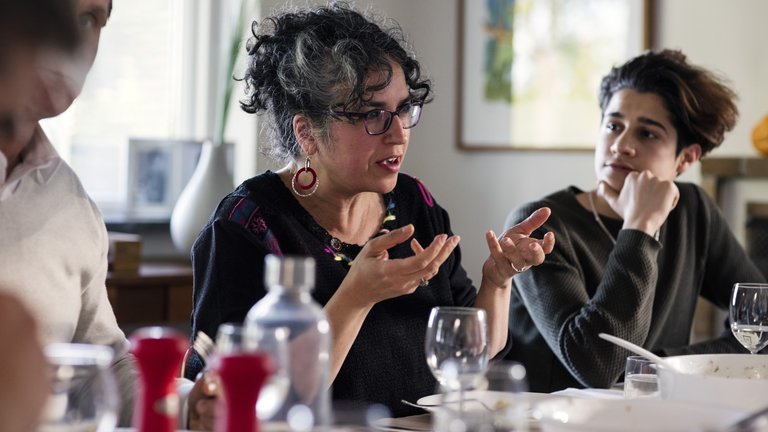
22 368
53 242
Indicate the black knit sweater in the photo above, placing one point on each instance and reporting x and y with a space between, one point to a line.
386 363
641 289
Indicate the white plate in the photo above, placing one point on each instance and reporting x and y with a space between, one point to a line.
739 381
420 422
591 393
493 399
496 401
632 415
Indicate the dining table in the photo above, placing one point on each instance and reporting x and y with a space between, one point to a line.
659 413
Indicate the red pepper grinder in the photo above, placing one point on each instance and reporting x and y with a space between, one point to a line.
159 352
241 375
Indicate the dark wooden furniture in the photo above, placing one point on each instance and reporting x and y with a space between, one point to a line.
715 172
757 235
156 294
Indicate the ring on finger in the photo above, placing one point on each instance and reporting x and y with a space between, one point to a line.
524 268
424 282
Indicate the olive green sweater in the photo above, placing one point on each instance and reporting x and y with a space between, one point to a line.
641 289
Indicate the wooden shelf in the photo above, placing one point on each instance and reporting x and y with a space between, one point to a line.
157 294
757 209
735 166
716 170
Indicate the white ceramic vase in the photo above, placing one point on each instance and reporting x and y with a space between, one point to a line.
210 182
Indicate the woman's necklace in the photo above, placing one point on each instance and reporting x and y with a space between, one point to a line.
598 220
337 244
337 247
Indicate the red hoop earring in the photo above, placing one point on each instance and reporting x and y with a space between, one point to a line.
313 184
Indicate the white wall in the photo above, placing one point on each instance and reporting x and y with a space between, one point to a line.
479 188
729 37
730 40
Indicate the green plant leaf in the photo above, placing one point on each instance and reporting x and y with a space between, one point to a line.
234 49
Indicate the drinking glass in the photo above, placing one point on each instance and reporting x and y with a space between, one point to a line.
498 404
511 411
457 337
84 394
234 339
640 379
749 315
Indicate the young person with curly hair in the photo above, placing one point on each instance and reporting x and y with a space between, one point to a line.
635 253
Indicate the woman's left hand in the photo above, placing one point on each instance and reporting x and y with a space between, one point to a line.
515 251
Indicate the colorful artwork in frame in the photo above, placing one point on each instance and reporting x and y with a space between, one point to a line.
530 70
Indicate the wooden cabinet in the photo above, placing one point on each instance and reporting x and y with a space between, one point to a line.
733 183
716 171
156 294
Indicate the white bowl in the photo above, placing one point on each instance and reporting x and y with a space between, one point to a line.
630 415
733 380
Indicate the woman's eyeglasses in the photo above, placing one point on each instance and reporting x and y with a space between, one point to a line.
378 121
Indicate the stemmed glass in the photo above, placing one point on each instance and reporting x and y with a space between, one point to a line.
456 347
749 315
233 339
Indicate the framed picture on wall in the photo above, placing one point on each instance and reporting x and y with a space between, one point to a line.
530 70
153 176
158 170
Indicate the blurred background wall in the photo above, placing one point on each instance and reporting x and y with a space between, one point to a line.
480 188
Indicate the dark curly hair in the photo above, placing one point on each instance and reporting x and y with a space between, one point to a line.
308 61
702 106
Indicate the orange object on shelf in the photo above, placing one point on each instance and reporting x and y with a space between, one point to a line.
760 136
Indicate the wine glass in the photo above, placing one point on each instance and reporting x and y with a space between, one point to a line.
749 315
234 339
83 390
456 347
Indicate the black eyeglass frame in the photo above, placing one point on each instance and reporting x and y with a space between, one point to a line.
402 109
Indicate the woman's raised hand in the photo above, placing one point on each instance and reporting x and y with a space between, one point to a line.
515 251
374 277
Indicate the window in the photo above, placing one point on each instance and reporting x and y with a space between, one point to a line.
150 81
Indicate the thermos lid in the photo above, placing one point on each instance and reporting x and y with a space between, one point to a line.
289 271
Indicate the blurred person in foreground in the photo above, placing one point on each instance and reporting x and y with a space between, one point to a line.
635 253
53 242
23 368
26 28
342 94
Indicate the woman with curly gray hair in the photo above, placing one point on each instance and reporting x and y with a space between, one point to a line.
342 94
